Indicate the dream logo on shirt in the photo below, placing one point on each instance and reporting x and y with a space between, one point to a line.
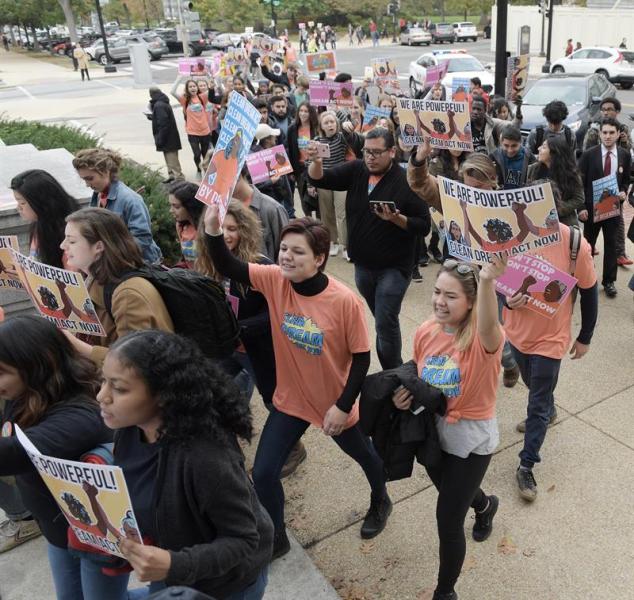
303 333
443 373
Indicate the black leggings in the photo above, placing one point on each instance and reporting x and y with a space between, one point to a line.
200 147
458 483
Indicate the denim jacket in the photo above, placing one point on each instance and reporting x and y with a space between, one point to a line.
131 208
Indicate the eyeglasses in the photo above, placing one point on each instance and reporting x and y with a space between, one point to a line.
374 153
461 268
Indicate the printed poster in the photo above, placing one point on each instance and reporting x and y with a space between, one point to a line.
59 295
191 67
321 61
605 198
447 124
268 163
372 116
330 93
386 75
483 222
460 87
516 76
236 56
9 277
545 286
234 143
265 45
94 498
436 73
439 221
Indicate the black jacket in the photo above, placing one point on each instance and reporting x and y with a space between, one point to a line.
399 436
208 516
67 430
166 136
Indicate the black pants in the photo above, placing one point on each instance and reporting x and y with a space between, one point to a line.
85 72
610 231
200 147
458 483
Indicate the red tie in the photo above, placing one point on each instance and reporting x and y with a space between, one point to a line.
607 168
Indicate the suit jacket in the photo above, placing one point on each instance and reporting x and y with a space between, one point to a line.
591 168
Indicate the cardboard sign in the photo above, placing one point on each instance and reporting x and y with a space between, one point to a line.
236 56
330 93
191 67
460 89
9 277
94 498
234 143
446 124
485 222
386 75
321 61
266 46
268 163
605 198
372 116
59 295
436 73
545 286
516 76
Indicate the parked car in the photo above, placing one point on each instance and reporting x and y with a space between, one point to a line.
616 65
119 49
442 32
581 93
415 35
197 43
155 43
465 31
224 40
461 65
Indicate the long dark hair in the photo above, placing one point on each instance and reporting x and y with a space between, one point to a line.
563 167
313 119
446 160
51 203
185 193
51 369
195 397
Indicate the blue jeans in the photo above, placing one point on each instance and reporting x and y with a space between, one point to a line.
144 592
81 579
508 362
281 433
11 501
383 290
255 591
540 375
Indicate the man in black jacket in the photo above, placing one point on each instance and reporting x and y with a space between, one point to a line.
166 136
606 159
384 217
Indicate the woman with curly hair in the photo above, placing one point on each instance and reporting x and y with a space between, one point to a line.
50 394
501 109
178 419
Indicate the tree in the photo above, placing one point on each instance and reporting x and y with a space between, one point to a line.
69 16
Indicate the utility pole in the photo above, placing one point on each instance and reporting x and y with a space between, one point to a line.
546 67
184 6
500 47
542 10
109 67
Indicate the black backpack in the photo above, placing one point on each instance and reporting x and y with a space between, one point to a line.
197 305
540 132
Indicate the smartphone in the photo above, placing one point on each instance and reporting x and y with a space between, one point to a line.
377 206
323 150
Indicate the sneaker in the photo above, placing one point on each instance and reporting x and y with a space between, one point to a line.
527 484
416 276
437 254
334 249
624 261
484 520
511 376
521 426
295 458
376 518
345 254
281 544
14 533
610 290
423 261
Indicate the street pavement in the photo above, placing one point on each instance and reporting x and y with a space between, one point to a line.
573 543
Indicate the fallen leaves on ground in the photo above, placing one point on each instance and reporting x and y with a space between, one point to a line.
506 546
469 564
551 488
529 552
367 547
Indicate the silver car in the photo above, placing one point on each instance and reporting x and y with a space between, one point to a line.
415 35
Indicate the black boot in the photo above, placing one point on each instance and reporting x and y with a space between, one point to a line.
376 518
446 596
281 544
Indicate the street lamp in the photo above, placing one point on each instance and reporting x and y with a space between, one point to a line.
546 67
109 66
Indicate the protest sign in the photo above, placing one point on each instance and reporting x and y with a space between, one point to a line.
605 198
460 89
483 222
372 115
271 162
386 75
321 61
330 93
301 25
190 67
516 76
59 295
234 142
545 286
436 73
446 124
94 498
9 277
265 45
439 222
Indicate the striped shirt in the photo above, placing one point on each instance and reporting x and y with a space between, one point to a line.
338 149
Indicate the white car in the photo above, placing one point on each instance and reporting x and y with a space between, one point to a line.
465 31
616 65
415 35
461 65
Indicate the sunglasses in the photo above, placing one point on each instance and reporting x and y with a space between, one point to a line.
461 268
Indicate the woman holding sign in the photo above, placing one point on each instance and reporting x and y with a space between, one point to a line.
458 351
61 418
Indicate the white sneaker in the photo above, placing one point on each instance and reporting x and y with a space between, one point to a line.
334 249
14 533
345 255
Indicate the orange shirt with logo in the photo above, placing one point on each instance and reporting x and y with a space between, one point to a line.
196 118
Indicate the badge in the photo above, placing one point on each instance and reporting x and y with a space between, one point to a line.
620 169
7 429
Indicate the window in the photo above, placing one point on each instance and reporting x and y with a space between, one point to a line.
599 54
580 54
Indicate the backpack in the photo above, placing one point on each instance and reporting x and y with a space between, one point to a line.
197 305
575 244
540 132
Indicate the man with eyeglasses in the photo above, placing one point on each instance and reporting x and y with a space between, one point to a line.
384 217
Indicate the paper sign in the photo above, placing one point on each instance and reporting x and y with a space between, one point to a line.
9 277
372 116
59 295
516 76
605 198
323 150
234 143
330 93
190 67
447 124
301 25
321 61
311 23
94 498
460 89
368 73
268 163
439 222
483 222
386 75
236 56
545 286
436 73
265 45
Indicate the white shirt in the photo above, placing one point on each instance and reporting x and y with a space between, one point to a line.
614 159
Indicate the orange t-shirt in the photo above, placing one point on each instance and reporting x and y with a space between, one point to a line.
314 338
303 138
468 379
197 121
532 333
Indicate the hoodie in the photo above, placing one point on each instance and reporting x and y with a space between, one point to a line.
166 136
